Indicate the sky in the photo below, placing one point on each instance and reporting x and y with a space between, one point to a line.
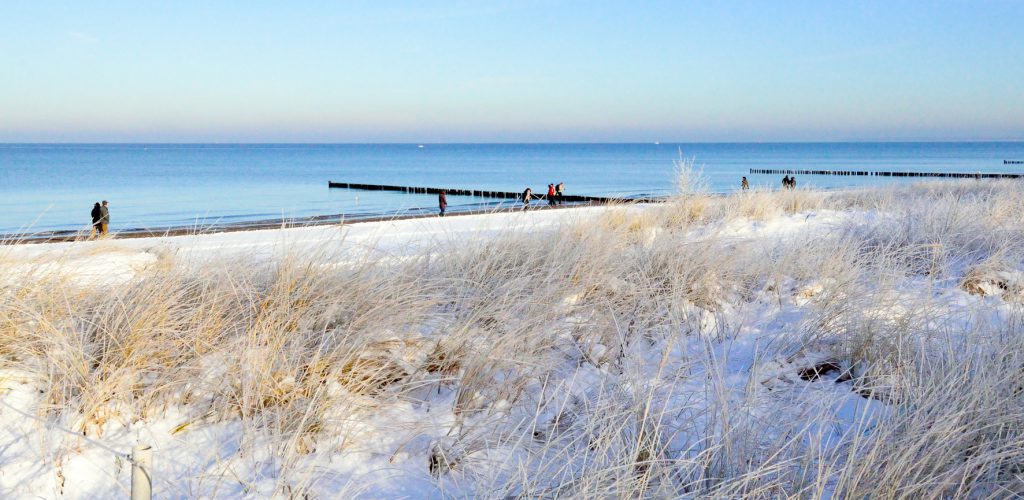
516 71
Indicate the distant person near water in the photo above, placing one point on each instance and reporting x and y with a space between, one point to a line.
744 185
97 215
442 202
785 182
551 195
792 182
526 198
104 218
560 191
100 218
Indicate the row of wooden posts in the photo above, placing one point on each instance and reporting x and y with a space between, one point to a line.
480 193
954 175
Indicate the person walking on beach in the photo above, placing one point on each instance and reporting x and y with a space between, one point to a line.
560 191
104 218
526 198
442 202
792 182
744 185
551 195
97 214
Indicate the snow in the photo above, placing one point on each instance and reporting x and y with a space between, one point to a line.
113 261
384 454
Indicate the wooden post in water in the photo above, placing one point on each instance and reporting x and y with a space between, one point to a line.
955 175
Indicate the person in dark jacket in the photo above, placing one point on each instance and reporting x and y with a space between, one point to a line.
560 191
792 182
785 182
526 198
442 202
97 214
744 185
104 218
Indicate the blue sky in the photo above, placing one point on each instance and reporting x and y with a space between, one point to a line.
512 71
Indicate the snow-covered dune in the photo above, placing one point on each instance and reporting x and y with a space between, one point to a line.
762 344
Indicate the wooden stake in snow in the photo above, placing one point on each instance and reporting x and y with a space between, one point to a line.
142 468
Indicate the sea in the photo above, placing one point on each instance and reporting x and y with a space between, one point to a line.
51 188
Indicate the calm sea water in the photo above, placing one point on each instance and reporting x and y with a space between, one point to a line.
53 187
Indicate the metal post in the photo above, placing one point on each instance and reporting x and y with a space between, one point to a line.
142 470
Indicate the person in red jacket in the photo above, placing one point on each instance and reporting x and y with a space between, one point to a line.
551 195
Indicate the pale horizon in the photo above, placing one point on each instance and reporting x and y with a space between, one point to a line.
485 143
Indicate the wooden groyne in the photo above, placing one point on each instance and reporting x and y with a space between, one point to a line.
1013 162
569 198
871 173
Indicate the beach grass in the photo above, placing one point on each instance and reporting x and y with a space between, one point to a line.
718 346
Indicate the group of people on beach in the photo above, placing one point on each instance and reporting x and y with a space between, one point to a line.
787 183
555 195
100 219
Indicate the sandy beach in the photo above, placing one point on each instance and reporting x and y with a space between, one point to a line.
324 220
125 255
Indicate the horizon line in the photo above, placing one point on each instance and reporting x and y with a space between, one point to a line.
485 143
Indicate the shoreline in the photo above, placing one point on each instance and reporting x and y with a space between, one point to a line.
68 236
311 221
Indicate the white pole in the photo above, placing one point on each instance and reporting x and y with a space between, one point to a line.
142 469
